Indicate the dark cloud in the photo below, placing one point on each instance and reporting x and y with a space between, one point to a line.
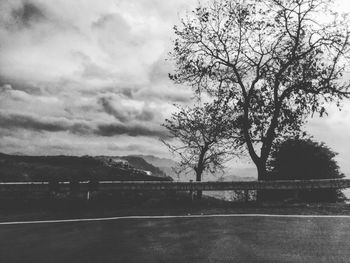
113 22
5 88
93 71
145 115
28 14
74 75
106 19
130 147
90 69
12 84
7 93
170 94
131 130
38 123
160 69
165 92
125 114
108 108
80 128
127 92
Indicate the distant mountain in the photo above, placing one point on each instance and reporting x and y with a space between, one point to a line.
230 178
247 172
132 167
229 174
66 168
164 164
17 153
144 165
159 162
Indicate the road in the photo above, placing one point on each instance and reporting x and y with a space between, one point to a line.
212 239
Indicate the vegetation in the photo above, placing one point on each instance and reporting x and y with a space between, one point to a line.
68 168
141 164
202 136
303 159
275 62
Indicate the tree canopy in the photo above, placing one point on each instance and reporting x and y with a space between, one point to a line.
203 137
276 61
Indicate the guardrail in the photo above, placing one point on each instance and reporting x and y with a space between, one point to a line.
176 186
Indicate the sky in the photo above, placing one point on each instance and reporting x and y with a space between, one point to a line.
89 77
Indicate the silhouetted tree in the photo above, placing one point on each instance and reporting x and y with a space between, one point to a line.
202 136
303 159
277 61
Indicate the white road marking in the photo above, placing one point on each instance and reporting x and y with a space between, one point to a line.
167 217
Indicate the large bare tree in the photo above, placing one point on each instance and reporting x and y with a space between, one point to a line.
277 61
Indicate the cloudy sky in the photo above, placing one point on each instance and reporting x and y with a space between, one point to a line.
90 77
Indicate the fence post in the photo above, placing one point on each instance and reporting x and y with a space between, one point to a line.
74 187
296 195
54 188
246 196
191 190
92 187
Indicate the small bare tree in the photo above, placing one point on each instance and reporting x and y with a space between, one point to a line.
279 61
203 137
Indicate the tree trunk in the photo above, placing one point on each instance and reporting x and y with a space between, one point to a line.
261 167
200 167
198 179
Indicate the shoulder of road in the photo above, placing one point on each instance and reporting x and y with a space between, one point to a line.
71 214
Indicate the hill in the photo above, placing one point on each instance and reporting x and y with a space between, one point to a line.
142 164
131 167
164 164
229 174
66 168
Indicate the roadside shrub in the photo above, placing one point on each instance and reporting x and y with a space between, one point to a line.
304 159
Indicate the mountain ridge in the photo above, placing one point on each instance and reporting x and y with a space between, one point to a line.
127 167
79 168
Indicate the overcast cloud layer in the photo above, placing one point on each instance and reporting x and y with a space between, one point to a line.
90 77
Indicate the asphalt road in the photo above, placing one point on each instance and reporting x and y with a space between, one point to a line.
216 239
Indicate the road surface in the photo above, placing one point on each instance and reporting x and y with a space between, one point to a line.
204 239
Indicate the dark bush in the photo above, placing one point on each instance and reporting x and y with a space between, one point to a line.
304 159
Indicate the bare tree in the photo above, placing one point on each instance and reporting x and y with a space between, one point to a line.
202 137
278 61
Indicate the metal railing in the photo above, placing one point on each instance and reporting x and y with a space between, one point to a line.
177 186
